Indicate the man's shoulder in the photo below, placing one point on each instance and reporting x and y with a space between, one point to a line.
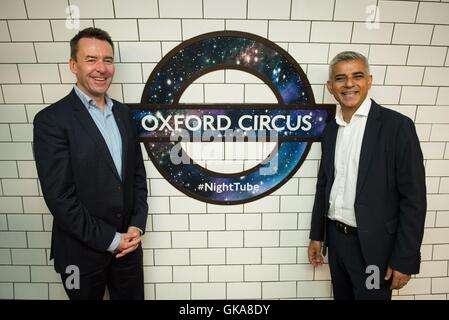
120 105
391 116
57 109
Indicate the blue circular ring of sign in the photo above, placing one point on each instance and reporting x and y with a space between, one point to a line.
217 51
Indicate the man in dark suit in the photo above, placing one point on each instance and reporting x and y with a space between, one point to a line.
370 201
93 179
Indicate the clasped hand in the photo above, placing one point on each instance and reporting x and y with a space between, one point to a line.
128 242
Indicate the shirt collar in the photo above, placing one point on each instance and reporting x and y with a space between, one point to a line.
362 111
89 103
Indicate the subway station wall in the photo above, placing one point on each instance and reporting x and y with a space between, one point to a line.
194 250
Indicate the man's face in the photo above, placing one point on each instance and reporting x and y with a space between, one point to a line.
93 67
350 83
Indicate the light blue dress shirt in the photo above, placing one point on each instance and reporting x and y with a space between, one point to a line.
105 122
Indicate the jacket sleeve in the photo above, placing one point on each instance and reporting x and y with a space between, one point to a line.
410 177
319 205
52 154
140 211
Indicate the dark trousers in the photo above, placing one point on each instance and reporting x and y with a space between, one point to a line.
123 278
348 268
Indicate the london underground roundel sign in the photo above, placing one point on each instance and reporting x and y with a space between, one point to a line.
293 123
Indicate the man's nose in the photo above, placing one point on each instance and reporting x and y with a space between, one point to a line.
100 66
349 82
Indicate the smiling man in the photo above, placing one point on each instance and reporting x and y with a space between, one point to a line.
93 179
370 201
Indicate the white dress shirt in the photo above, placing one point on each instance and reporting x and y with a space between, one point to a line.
346 163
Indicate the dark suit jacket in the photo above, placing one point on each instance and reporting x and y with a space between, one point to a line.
81 185
390 203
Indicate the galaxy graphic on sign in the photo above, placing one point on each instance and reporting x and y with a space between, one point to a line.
229 50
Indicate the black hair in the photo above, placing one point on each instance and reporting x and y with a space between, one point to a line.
92 33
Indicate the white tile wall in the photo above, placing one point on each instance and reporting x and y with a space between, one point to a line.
195 250
166 29
309 52
208 256
208 291
310 289
51 52
443 96
180 9
244 290
9 73
258 27
171 257
39 73
225 273
440 35
192 28
412 34
426 56
61 33
277 31
138 9
31 291
4 32
169 291
120 30
17 52
331 32
140 51
45 9
14 9
397 11
231 9
312 10
266 9
190 274
429 114
419 95
404 75
98 9
282 290
436 76
12 240
30 30
362 34
433 13
352 10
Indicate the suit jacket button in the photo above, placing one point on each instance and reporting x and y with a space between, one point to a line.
118 215
119 188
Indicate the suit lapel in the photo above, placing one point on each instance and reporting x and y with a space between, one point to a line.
119 120
89 125
368 144
333 130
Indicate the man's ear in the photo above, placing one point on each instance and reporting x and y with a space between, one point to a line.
329 87
370 81
72 65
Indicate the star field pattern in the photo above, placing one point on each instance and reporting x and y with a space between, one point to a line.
229 50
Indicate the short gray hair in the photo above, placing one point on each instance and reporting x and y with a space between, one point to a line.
347 56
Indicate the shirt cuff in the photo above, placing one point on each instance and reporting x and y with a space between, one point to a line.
141 232
115 242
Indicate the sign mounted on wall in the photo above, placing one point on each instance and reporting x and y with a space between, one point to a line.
293 123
